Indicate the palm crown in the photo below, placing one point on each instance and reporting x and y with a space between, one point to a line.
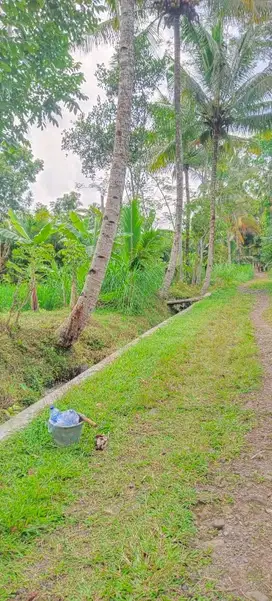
232 94
163 134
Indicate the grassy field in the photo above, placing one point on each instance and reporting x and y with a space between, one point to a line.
30 362
79 525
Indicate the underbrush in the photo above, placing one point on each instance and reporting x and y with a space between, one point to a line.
227 275
130 292
29 360
184 290
223 276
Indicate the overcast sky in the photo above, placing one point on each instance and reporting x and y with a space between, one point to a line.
62 172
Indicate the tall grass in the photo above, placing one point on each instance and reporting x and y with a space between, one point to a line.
6 296
50 295
226 275
130 292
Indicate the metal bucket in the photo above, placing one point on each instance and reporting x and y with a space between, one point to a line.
64 436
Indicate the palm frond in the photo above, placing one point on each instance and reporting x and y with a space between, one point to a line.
207 48
251 11
106 32
188 83
258 87
254 123
131 220
245 57
164 158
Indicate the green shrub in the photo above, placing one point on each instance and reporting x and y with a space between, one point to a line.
132 292
226 275
184 290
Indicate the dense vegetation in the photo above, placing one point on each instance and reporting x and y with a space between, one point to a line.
179 147
180 152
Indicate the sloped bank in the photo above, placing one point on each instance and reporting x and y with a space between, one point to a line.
26 416
30 363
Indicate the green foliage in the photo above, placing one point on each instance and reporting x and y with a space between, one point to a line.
229 275
92 136
230 94
266 253
25 229
18 170
131 291
28 260
38 72
141 244
66 203
183 290
163 134
83 231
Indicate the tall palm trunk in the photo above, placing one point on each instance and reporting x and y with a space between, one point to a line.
188 215
229 248
78 319
238 248
34 297
207 280
200 261
175 251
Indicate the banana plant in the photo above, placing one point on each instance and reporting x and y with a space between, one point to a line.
79 237
22 232
139 241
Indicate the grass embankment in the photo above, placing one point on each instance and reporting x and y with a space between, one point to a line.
78 525
30 362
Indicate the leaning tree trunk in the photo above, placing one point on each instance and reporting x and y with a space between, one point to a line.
188 215
73 295
208 276
175 251
78 319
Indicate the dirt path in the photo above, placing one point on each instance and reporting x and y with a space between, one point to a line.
242 538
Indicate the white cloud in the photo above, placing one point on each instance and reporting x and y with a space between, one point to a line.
61 172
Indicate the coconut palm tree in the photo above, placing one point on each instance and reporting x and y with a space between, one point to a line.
163 137
172 10
231 95
78 319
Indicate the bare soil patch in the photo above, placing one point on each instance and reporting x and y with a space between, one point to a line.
241 541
